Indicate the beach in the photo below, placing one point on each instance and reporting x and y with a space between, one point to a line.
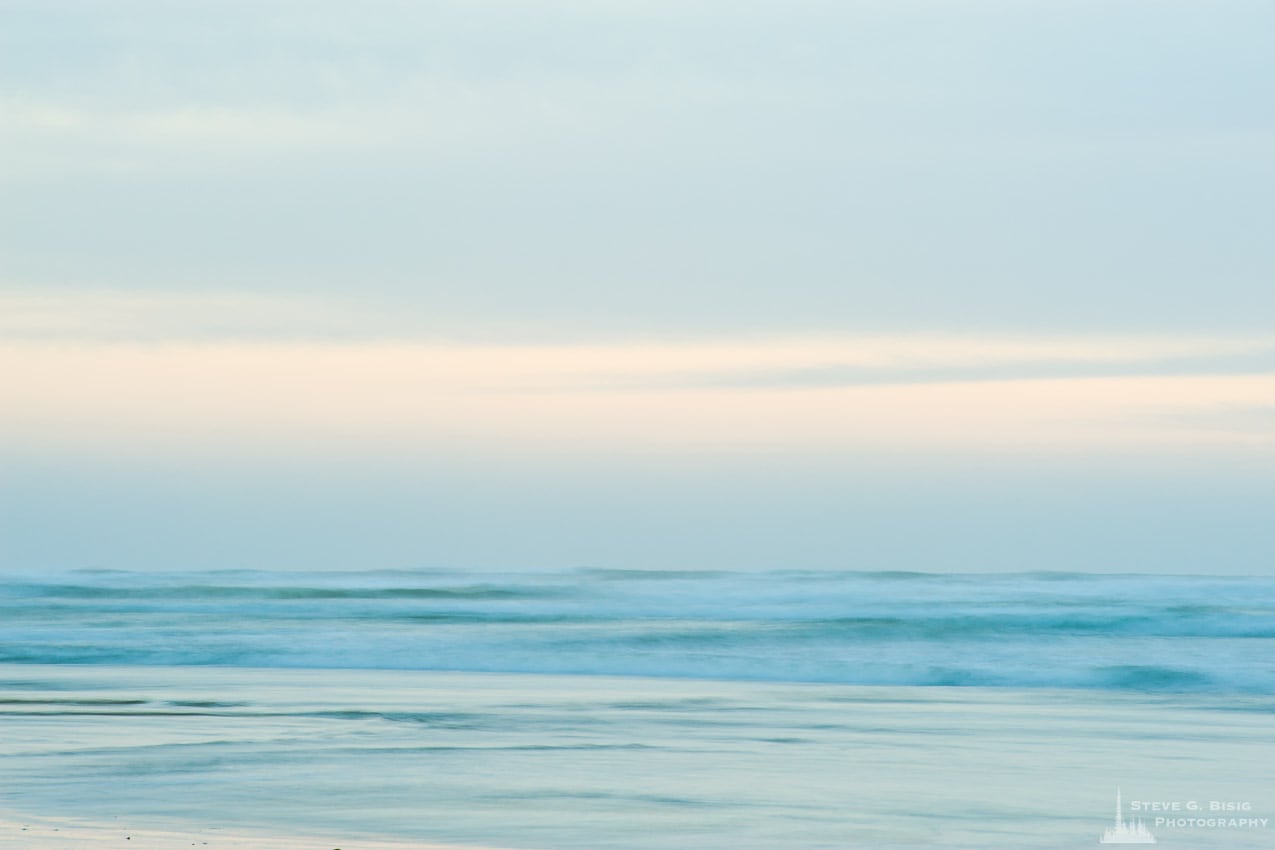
49 834
325 759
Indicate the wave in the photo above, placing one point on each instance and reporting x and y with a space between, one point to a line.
212 591
1122 632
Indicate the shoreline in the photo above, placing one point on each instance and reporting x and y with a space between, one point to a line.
161 758
23 831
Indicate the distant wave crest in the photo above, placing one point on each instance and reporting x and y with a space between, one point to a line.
1127 632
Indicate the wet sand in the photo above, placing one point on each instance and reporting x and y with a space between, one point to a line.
24 833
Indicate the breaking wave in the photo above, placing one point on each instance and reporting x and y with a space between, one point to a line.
1122 632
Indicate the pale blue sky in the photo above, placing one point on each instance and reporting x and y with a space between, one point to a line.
641 166
550 283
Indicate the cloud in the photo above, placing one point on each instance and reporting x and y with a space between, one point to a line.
156 86
30 314
701 360
352 399
415 118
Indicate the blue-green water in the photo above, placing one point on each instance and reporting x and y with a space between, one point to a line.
641 712
1135 633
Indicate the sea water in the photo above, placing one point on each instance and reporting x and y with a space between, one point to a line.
642 710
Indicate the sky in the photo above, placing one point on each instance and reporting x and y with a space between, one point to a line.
972 286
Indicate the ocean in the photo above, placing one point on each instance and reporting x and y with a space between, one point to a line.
639 710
